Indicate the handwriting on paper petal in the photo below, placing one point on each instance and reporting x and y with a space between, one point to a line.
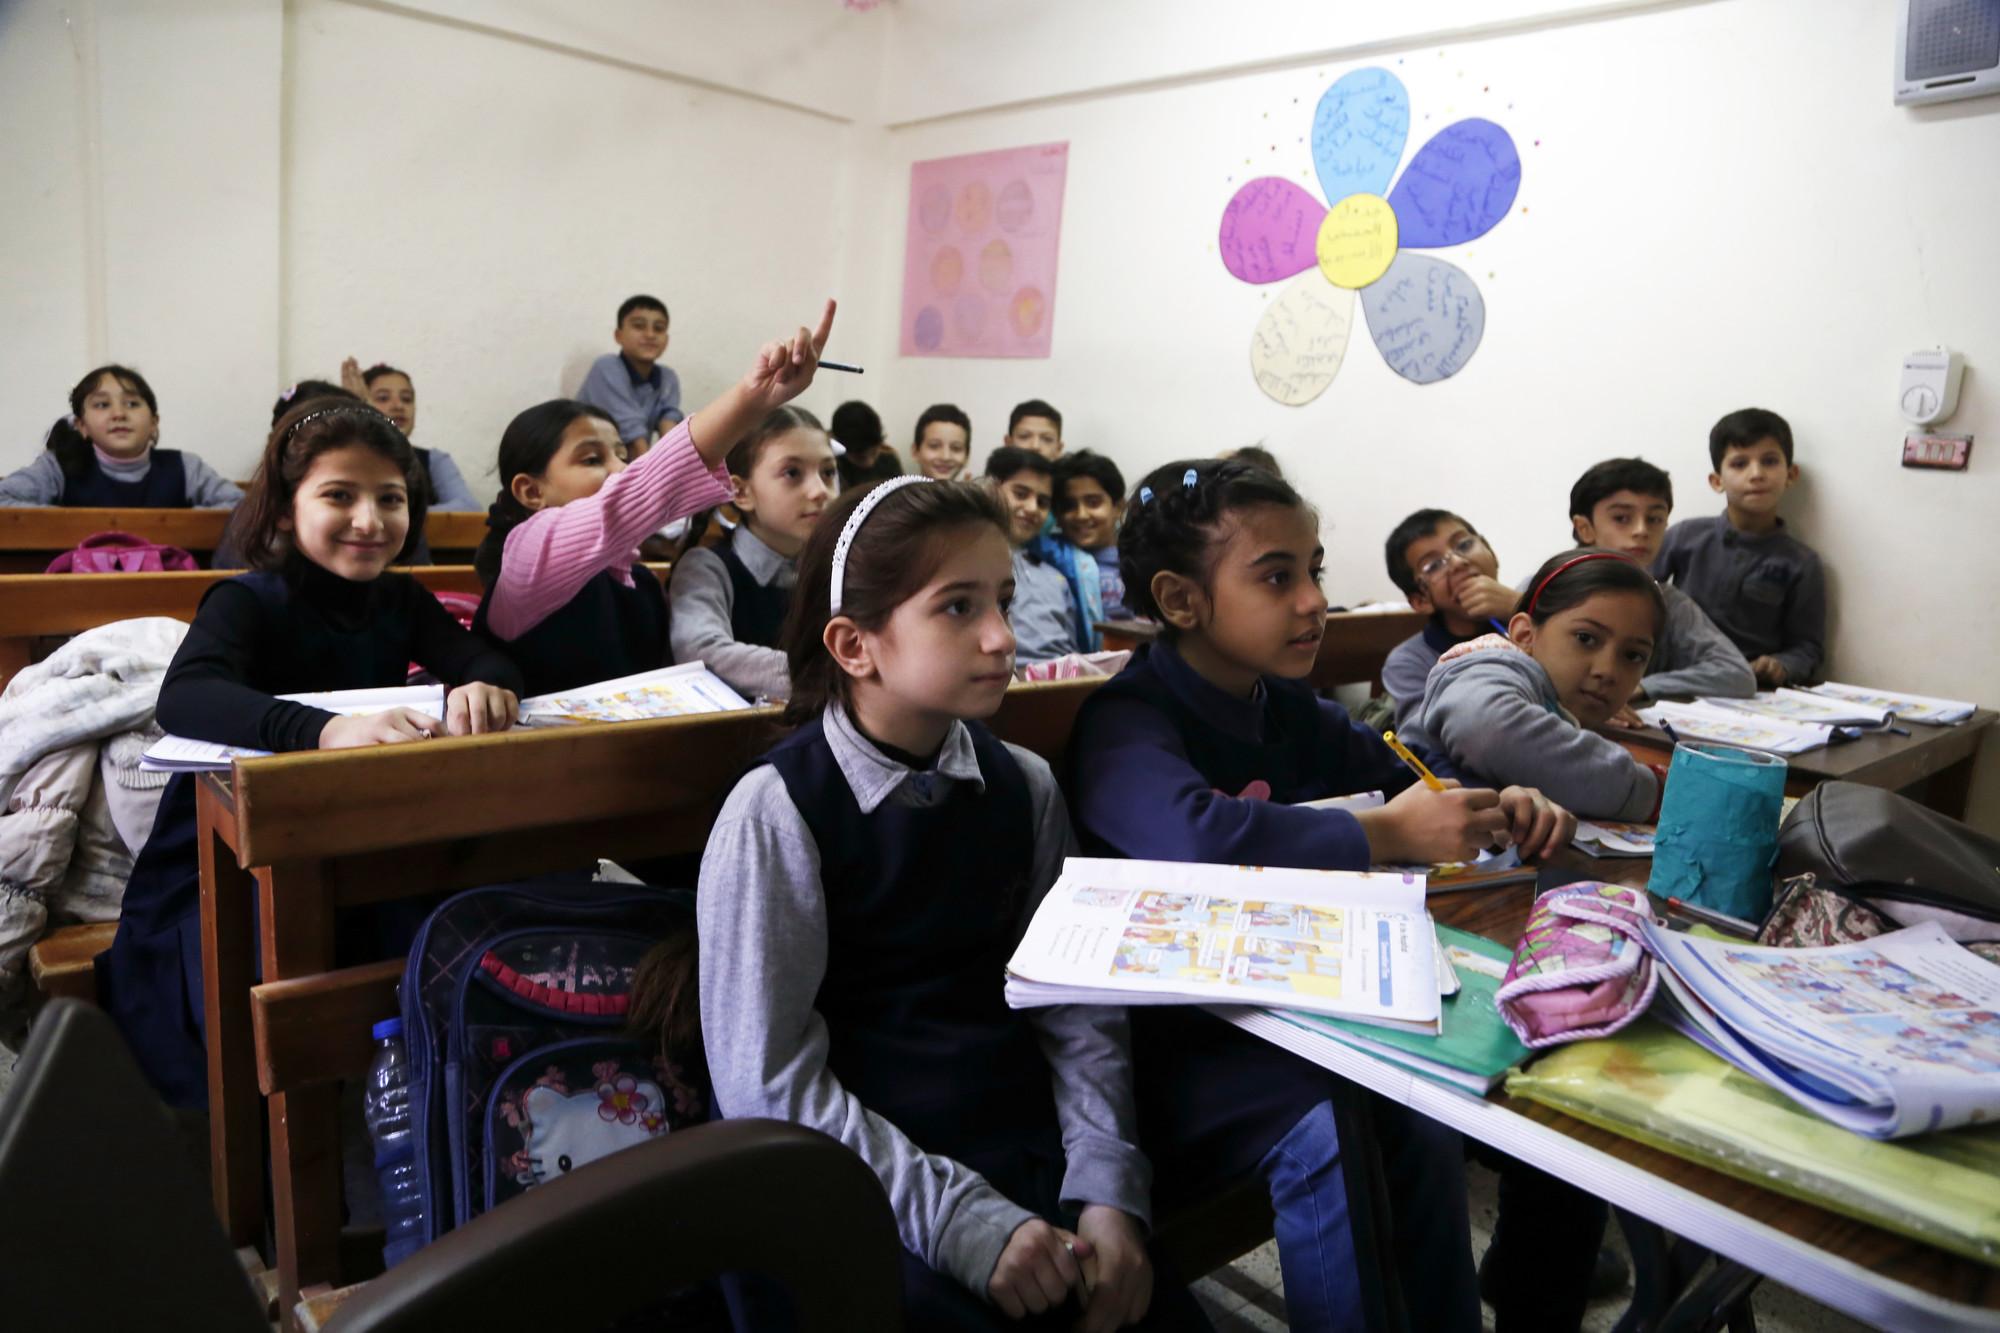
1458 185
1426 317
1268 230
1298 344
1358 133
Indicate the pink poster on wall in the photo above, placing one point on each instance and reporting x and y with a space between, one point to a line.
979 265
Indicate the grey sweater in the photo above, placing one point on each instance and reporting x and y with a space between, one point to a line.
41 482
761 916
1766 593
1693 657
703 600
1495 712
1044 624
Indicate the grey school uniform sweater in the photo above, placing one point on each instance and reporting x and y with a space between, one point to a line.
1766 592
1494 711
761 917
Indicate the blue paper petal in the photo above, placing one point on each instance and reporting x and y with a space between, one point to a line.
1358 133
1457 186
1426 317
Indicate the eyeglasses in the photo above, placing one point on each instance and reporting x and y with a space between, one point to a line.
1464 548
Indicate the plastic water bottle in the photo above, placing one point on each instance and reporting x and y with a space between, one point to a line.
385 1105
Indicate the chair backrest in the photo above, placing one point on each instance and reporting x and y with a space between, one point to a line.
622 1233
107 1223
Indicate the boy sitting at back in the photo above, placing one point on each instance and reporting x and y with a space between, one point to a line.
1623 504
1089 500
642 396
1762 586
1037 426
1448 571
1043 615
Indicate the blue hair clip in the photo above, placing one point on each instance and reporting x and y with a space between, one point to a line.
1187 479
1145 494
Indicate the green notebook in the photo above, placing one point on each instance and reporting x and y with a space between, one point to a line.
1474 1049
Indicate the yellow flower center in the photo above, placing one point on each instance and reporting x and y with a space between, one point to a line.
1357 240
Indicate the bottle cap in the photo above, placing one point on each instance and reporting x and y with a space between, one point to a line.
388 1027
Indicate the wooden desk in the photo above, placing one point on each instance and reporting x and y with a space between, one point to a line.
31 538
1870 1273
304 835
1354 649
1941 758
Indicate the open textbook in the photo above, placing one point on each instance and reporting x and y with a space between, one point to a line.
1892 1036
1806 707
1907 707
668 692
1704 721
1356 945
1614 837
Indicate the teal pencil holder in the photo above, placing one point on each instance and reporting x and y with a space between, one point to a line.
1718 834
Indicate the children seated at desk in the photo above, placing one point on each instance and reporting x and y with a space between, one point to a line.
859 895
1090 500
865 455
1199 750
1524 707
336 505
642 397
1759 583
728 601
1622 504
1044 613
105 455
566 595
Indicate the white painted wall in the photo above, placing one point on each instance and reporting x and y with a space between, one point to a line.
1725 208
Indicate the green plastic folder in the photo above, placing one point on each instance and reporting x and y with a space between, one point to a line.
1658 1087
1474 1047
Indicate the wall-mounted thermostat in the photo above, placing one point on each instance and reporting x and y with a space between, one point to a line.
1947 49
1929 390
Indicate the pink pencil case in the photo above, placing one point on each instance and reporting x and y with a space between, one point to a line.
1581 968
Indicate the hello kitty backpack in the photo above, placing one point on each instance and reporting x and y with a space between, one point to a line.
521 1066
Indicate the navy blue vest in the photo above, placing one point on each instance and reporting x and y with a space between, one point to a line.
756 611
923 908
606 630
304 650
163 487
1290 755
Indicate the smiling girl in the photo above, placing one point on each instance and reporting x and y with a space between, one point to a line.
105 455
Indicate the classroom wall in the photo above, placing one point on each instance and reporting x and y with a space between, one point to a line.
1705 223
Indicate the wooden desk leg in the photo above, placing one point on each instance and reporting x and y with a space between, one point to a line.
1947 790
235 1156
296 921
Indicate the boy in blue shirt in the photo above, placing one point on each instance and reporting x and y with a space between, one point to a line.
1044 614
1089 500
1761 586
642 396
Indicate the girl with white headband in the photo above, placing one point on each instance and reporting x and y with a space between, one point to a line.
860 893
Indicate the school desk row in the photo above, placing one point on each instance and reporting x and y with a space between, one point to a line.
31 538
289 841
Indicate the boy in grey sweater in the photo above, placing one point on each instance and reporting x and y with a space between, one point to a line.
1760 584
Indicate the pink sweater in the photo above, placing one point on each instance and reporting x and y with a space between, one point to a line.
548 558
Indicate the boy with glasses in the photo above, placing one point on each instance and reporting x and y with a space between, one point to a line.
1448 571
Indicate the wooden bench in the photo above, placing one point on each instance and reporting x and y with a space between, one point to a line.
309 834
38 606
1356 645
31 538
61 963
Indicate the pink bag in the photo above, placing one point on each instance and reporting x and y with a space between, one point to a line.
1582 968
121 553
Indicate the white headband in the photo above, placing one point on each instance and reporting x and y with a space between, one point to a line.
853 525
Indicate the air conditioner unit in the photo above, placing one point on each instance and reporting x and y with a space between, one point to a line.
1947 49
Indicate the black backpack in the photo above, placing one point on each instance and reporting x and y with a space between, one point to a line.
1905 860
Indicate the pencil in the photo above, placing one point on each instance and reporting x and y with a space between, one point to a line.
1416 765
842 365
1708 916
1494 621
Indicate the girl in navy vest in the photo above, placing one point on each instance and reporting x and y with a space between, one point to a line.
332 508
860 894
1198 751
105 455
394 394
729 600
565 592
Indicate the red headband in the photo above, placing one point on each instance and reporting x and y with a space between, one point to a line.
1573 561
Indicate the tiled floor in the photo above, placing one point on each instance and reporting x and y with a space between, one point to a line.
1249 1295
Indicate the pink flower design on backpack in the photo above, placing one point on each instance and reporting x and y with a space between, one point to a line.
620 1099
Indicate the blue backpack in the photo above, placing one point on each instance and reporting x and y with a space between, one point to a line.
521 1068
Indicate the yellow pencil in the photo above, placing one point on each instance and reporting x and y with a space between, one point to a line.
1416 764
